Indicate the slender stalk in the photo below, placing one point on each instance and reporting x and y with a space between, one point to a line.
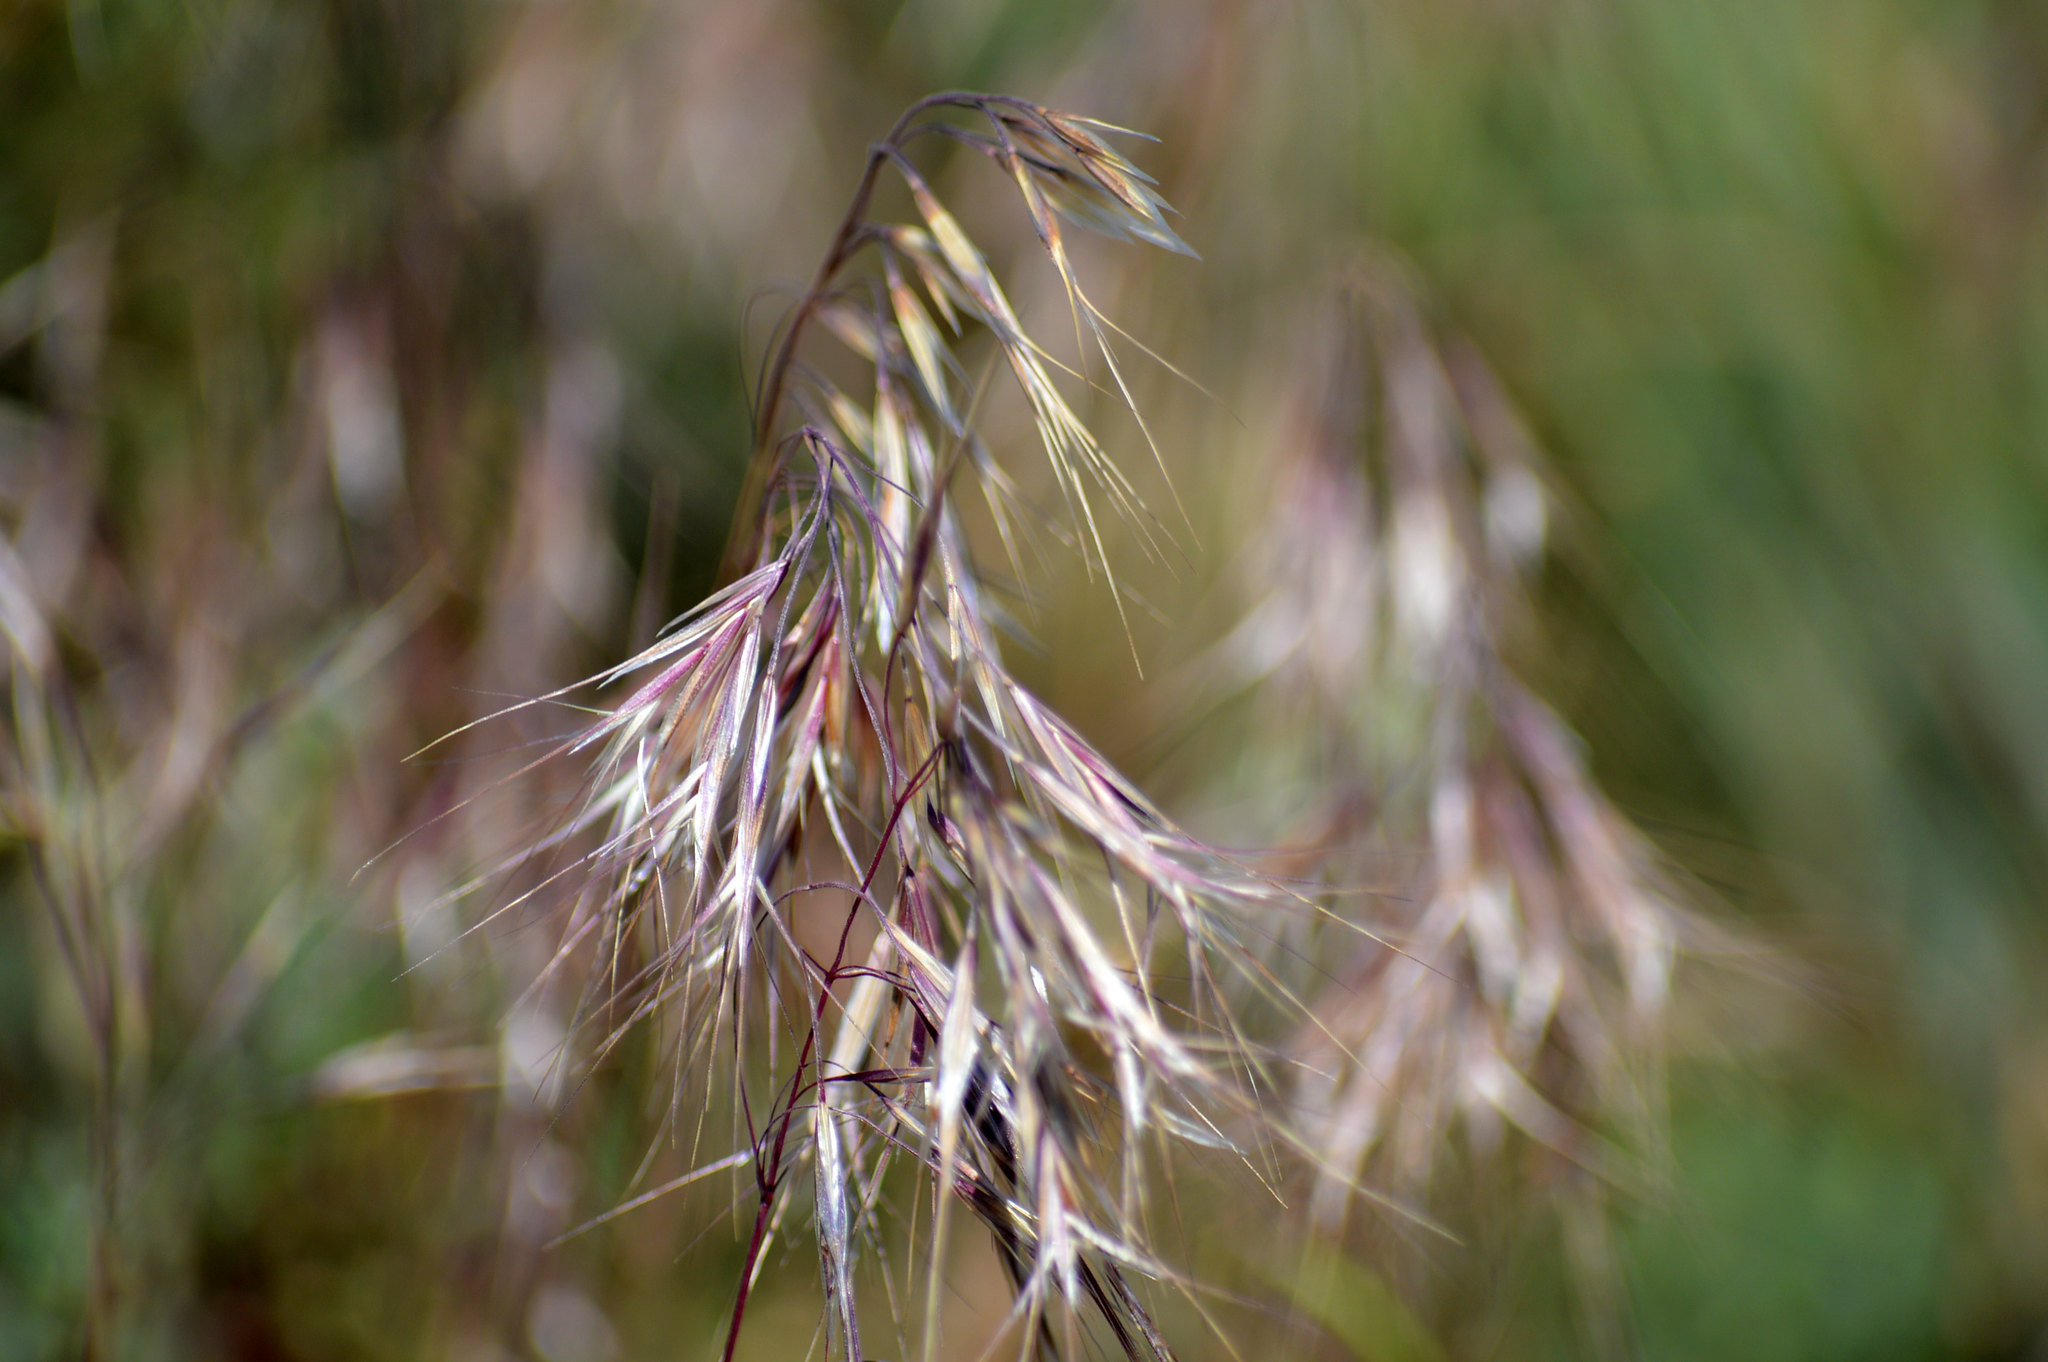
768 1173
763 464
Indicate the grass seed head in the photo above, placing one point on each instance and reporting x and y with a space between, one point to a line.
836 726
1522 978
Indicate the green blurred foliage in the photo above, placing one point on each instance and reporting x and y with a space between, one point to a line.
1810 1231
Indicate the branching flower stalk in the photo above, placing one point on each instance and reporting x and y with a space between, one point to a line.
1022 988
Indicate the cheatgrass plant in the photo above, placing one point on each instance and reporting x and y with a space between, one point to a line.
1521 950
913 948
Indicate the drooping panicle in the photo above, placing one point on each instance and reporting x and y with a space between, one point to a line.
1517 967
863 883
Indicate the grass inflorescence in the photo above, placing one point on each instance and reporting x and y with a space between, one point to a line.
835 728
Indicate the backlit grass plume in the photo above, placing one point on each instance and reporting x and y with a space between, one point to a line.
924 944
1519 972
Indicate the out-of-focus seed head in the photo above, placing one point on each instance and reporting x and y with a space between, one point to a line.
1521 974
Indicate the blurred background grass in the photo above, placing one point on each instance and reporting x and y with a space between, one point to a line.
362 361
